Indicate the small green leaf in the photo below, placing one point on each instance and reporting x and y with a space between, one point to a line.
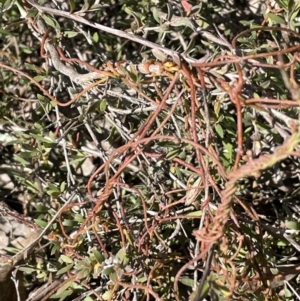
27 270
41 223
62 186
103 105
113 277
182 22
195 214
107 295
287 292
41 276
41 208
32 13
282 243
265 84
159 55
95 37
12 250
42 139
72 6
33 186
66 259
173 153
55 248
228 153
69 222
53 187
133 76
79 218
65 269
122 256
96 7
70 34
48 20
187 281
21 160
275 18
53 193
294 225
274 271
108 271
219 130
155 14
27 50
39 78
98 256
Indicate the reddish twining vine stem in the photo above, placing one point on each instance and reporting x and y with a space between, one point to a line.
215 230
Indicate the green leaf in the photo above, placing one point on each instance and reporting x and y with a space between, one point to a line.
70 34
155 15
53 187
51 22
275 18
228 153
219 130
21 160
33 186
27 270
122 256
12 250
48 20
187 281
66 259
182 22
65 269
113 277
159 55
294 225
287 292
98 256
107 295
95 37
69 222
53 193
84 273
41 208
79 218
103 105
72 6
55 248
41 276
39 78
108 271
42 139
96 7
203 292
32 13
195 214
28 155
41 223
173 153
62 186
133 76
